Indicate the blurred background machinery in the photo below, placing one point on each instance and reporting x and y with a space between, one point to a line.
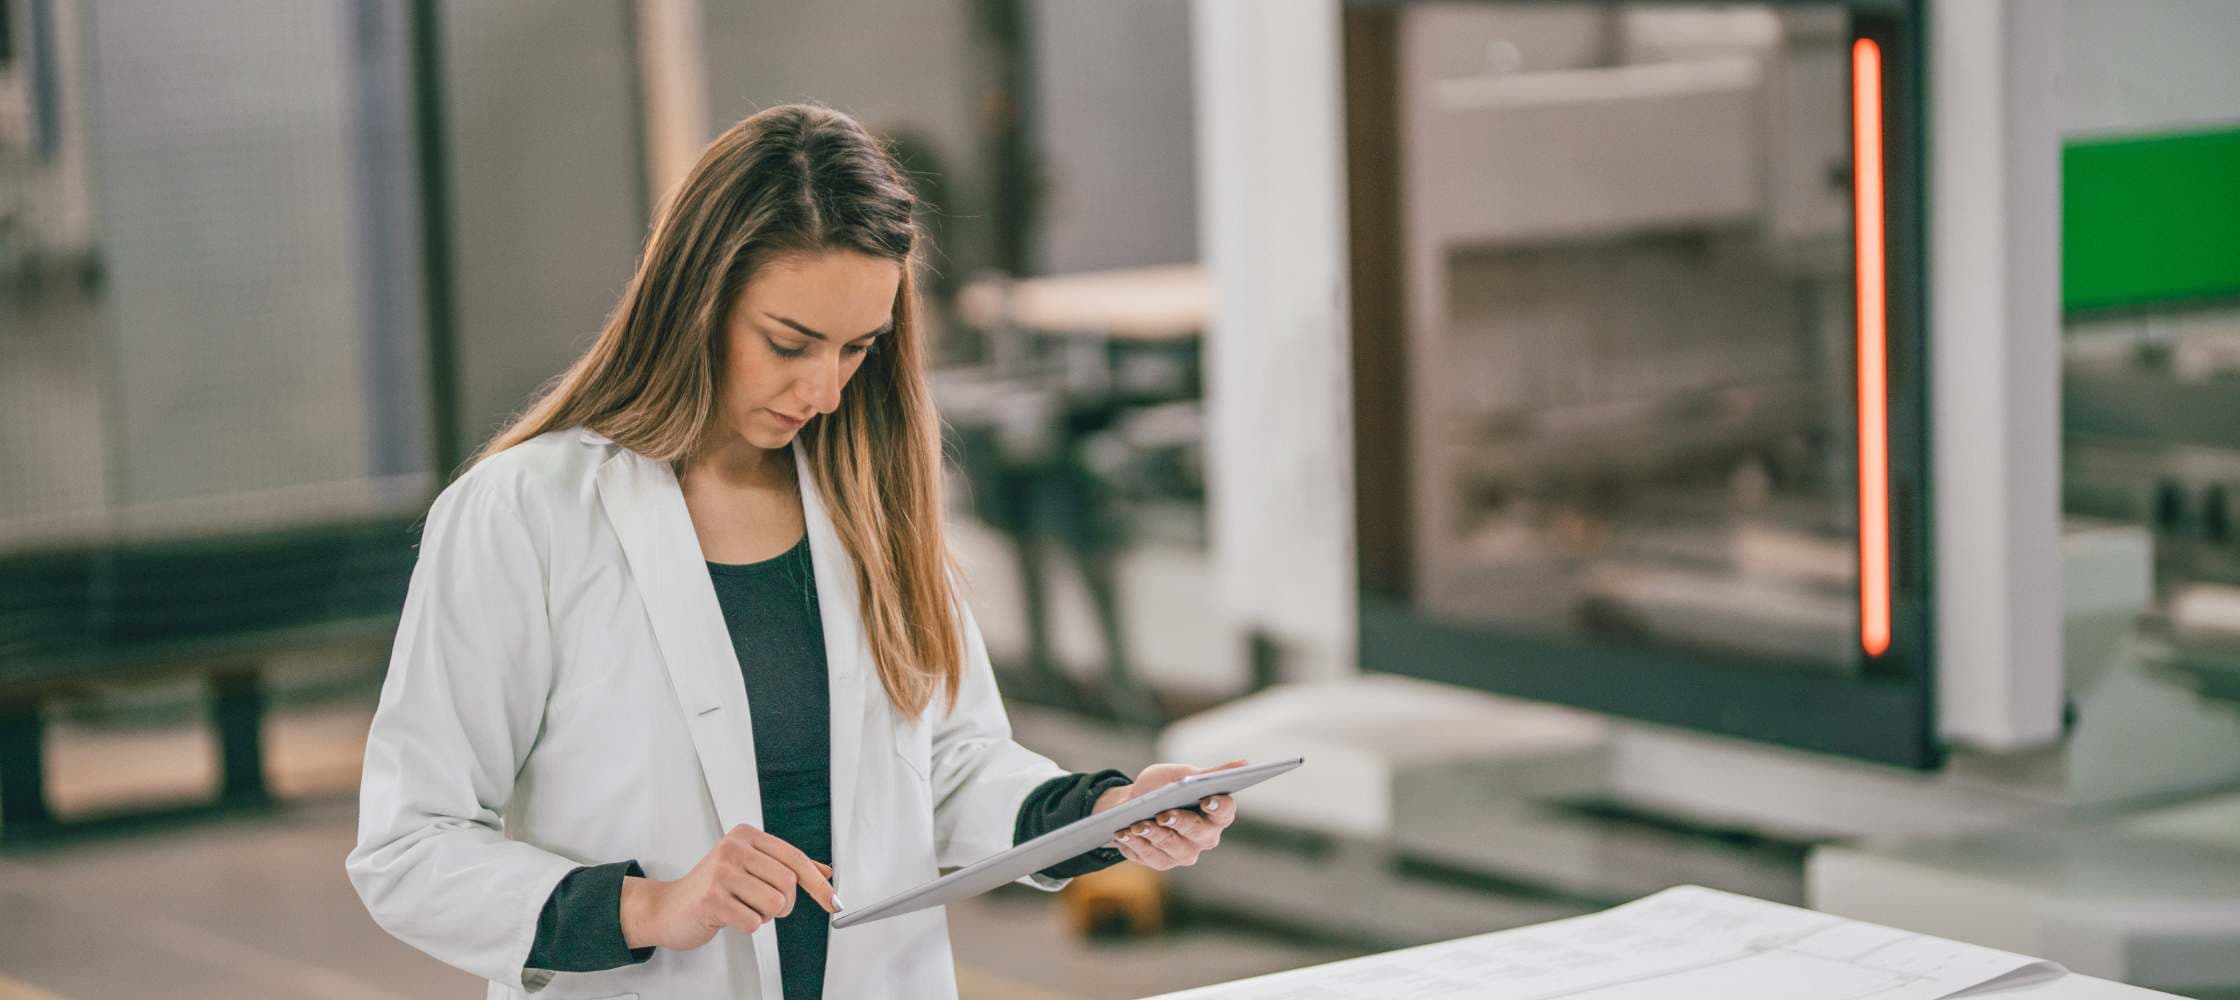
1796 420
1483 399
215 431
1082 434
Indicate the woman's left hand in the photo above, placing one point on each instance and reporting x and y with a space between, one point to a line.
1176 837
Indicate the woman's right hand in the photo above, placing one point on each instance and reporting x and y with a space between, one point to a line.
747 880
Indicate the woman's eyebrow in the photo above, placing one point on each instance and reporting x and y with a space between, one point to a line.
806 332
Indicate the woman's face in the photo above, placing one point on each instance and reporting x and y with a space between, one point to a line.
796 336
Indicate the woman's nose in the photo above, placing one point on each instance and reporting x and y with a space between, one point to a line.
823 387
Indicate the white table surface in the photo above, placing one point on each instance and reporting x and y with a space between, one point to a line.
2070 986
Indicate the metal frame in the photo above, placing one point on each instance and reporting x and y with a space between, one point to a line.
439 276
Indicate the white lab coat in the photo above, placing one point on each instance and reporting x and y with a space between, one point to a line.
563 691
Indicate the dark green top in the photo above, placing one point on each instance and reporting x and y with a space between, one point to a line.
771 607
778 634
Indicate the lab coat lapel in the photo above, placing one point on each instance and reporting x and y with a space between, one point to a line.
646 508
847 654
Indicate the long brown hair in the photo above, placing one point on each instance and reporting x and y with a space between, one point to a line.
796 178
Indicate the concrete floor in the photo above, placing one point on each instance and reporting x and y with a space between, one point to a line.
260 906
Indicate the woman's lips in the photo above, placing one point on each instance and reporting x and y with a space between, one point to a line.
786 420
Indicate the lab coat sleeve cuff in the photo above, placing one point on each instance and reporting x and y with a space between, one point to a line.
580 927
1056 803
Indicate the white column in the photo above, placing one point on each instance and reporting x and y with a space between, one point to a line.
1995 358
1271 196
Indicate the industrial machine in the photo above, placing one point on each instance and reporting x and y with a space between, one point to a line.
1742 449
1661 330
2140 879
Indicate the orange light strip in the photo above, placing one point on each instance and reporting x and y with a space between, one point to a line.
1874 398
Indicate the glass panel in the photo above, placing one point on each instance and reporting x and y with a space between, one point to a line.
1632 344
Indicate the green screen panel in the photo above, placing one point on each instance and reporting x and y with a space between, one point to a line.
2150 220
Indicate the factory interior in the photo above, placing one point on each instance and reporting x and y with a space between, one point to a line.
1683 476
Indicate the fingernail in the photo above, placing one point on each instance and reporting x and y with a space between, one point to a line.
1167 820
1213 805
837 905
1123 835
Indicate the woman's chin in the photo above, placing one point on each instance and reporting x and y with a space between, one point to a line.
770 440
763 431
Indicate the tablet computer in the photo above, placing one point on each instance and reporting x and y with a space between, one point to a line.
1081 835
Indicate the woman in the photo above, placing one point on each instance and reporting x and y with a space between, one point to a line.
682 653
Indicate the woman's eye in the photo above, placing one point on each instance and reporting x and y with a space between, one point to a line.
853 350
783 351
